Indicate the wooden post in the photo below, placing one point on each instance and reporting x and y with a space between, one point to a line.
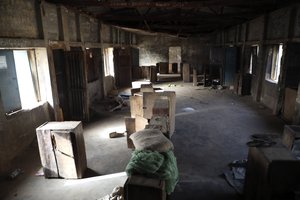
186 73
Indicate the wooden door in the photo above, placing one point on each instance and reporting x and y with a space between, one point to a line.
230 67
122 62
77 85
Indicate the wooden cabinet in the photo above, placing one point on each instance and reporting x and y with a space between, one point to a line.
272 173
62 149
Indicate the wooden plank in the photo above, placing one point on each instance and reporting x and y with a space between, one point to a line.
140 123
63 142
46 152
136 106
153 74
186 73
146 88
80 157
195 77
161 107
130 128
289 104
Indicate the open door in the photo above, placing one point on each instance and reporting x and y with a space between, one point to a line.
122 62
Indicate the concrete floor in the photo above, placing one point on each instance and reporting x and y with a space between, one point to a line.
212 128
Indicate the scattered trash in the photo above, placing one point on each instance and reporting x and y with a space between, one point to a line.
235 176
172 85
120 103
262 140
116 135
116 194
14 174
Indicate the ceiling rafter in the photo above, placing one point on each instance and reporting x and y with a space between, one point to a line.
176 17
164 4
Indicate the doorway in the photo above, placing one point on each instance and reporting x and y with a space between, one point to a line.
71 83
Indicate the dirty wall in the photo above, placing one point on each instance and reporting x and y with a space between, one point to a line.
279 27
154 49
37 24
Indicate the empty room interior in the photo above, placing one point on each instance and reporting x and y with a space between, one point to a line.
149 100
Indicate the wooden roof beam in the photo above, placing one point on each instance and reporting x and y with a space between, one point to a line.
166 4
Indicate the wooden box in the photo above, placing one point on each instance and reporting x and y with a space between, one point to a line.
62 149
290 134
289 104
140 187
272 173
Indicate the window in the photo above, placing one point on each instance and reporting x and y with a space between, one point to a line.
253 59
274 63
18 80
109 62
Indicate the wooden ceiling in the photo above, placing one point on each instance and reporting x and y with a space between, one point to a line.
180 18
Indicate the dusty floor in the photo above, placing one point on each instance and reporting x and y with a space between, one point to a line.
212 128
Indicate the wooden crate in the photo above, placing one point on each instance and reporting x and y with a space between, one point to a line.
290 134
140 187
62 149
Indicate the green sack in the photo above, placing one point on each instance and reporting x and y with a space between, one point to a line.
155 165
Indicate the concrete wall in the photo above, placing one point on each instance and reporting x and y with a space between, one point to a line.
44 26
18 131
154 49
18 19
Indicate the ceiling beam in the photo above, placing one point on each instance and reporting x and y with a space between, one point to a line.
172 17
166 4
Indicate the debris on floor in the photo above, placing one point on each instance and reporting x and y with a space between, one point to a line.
235 176
172 85
15 173
116 194
262 140
188 109
120 102
116 135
